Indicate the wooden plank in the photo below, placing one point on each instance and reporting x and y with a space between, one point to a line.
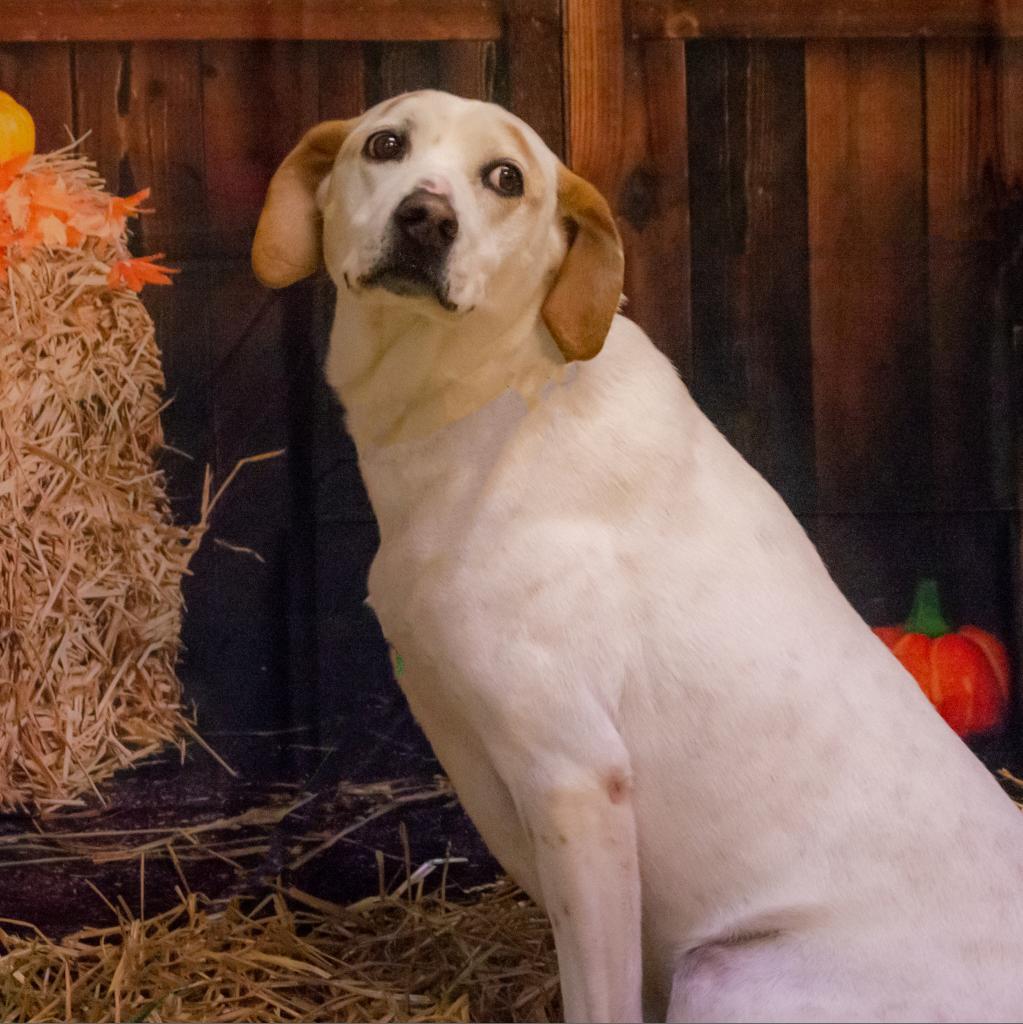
165 146
258 99
751 317
394 68
594 64
261 356
811 19
868 263
652 205
39 77
247 600
1010 305
535 60
467 68
102 88
342 80
970 175
141 20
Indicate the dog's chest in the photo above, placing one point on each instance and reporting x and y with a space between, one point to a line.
487 531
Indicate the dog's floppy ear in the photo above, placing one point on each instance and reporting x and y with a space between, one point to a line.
584 297
287 246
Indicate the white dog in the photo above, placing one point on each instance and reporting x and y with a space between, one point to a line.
664 718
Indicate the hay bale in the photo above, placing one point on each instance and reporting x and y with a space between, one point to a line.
91 561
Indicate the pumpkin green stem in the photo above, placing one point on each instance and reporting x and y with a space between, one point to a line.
926 615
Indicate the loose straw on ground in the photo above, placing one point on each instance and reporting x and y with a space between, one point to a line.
409 953
411 956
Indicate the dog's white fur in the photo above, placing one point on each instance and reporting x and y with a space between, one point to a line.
664 718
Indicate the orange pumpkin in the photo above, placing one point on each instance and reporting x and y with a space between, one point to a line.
964 673
17 129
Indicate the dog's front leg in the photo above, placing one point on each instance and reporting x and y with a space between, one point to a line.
582 826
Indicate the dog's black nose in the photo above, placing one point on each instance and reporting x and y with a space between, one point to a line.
428 220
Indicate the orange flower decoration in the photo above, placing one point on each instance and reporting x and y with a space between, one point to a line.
39 205
139 271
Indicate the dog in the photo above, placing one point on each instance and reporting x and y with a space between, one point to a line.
666 721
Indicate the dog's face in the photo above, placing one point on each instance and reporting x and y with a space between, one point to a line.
441 199
447 205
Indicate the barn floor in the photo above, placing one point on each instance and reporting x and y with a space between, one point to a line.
315 817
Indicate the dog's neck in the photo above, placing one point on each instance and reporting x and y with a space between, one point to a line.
404 372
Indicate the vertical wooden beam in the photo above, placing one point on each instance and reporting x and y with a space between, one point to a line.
868 266
594 64
751 317
258 99
625 112
164 149
975 219
400 67
970 176
467 68
102 95
534 54
342 80
652 203
1010 139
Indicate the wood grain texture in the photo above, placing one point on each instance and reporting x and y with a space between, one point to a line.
974 117
393 68
594 68
652 203
102 84
868 283
163 133
812 19
751 317
248 599
467 68
533 47
39 77
342 72
258 99
141 20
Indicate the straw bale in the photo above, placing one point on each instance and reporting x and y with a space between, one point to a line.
91 561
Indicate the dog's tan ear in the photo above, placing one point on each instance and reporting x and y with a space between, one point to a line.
287 246
584 297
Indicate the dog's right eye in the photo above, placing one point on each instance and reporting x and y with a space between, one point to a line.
385 145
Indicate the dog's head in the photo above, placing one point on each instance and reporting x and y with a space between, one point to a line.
450 204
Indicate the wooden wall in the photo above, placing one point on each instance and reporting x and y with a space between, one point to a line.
824 215
821 206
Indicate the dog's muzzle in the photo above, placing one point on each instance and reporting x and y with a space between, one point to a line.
423 229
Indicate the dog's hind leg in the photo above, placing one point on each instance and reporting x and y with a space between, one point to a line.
764 976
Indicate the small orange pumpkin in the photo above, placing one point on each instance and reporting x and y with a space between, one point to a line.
965 674
17 129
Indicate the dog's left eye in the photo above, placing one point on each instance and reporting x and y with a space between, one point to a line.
504 178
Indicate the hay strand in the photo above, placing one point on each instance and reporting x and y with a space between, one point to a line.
418 956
